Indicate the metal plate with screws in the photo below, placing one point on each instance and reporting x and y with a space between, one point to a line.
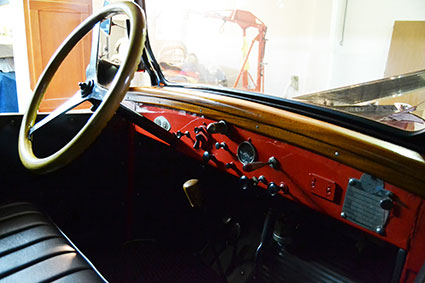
363 205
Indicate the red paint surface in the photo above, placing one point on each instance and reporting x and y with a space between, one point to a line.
295 168
416 256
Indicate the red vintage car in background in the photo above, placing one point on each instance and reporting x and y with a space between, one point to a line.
170 178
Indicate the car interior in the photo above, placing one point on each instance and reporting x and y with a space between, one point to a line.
176 182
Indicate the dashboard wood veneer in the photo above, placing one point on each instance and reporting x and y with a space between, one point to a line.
394 164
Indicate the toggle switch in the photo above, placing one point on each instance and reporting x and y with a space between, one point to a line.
179 134
199 141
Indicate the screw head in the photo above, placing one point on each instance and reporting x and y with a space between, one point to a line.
352 182
379 230
343 215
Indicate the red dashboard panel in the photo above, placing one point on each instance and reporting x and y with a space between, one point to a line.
302 176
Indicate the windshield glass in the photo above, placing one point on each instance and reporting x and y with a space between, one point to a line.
300 49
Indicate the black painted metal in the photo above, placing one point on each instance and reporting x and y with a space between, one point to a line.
147 124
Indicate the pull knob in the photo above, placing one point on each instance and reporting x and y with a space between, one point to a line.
245 182
272 189
219 127
199 139
222 145
386 203
272 162
207 157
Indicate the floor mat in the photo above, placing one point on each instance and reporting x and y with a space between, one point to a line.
147 261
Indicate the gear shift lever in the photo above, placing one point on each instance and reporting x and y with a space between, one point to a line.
193 192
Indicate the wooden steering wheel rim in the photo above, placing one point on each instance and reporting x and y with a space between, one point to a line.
111 99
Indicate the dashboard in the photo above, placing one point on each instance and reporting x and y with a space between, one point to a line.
284 170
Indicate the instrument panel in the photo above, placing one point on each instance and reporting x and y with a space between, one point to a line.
289 171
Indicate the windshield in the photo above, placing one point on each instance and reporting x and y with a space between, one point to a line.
306 50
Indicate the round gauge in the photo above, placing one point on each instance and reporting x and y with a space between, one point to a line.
371 184
246 152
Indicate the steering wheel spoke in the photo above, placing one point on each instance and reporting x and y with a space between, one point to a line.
105 101
68 105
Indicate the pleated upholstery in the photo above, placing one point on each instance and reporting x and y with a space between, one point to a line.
32 249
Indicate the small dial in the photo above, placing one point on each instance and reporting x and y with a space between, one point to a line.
246 152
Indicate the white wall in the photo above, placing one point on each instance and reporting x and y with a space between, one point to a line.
304 40
308 40
299 45
363 54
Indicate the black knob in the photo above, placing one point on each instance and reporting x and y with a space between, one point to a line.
207 157
222 145
273 189
230 165
245 182
386 203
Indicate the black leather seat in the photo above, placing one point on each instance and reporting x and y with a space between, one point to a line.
33 249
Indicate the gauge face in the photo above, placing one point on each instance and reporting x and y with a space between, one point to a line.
246 152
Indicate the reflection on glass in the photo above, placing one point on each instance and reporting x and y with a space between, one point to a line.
113 46
294 48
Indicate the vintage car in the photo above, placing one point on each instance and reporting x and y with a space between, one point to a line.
199 182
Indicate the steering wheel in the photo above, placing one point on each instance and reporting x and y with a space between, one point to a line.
109 100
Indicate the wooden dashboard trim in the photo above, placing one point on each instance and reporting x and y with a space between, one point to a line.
394 164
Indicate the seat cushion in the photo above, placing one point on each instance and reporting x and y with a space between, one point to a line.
33 249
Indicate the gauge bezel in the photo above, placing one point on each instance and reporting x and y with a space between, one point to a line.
252 148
